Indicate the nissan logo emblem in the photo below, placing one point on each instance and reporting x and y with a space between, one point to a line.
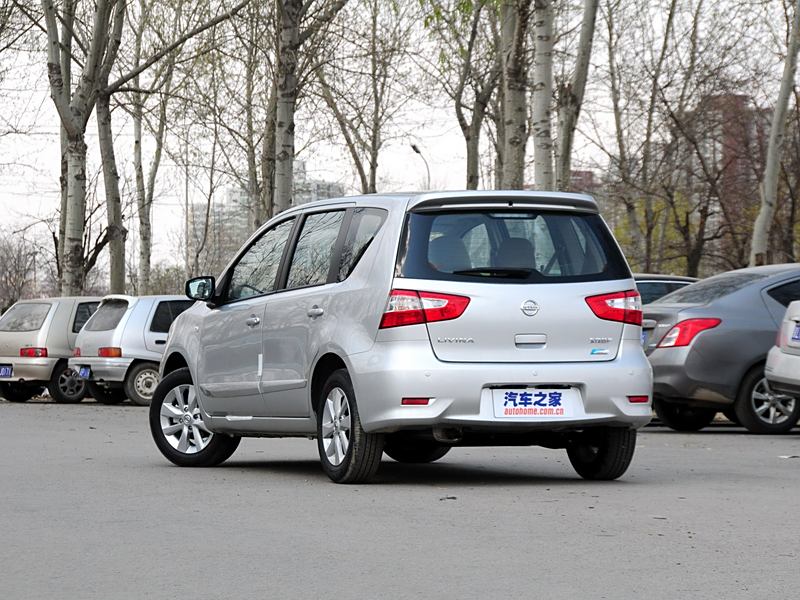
530 308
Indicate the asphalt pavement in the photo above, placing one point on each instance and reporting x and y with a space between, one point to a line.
90 509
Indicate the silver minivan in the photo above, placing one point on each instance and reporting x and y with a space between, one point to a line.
36 340
409 325
119 349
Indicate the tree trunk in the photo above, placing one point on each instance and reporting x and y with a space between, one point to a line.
543 96
116 230
514 16
76 215
62 215
267 208
769 183
570 97
287 101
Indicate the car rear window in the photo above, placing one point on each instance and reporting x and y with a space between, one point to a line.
107 316
510 246
25 317
82 314
710 289
166 312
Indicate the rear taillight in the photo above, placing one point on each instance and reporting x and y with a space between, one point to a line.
625 307
109 352
638 399
409 307
76 352
684 332
33 352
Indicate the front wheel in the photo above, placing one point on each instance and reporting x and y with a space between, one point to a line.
405 449
19 392
681 417
762 410
178 429
141 382
65 386
348 453
602 454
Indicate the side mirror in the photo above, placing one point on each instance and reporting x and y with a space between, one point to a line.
201 288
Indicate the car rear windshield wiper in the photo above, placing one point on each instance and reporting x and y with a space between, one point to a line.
510 272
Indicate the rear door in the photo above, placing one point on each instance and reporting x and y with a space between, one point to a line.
161 319
527 274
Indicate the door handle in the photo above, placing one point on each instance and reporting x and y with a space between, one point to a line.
315 311
161 342
252 321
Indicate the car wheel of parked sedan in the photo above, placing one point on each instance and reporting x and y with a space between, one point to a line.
602 454
105 395
348 453
178 429
19 392
405 449
762 410
141 382
681 417
65 386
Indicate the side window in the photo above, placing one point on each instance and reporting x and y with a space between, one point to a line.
363 228
82 314
786 293
311 261
257 269
166 313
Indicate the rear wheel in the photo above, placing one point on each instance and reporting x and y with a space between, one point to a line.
19 392
178 429
105 395
681 417
141 382
65 386
762 410
406 449
603 454
348 453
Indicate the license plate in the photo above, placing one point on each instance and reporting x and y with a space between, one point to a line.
644 338
796 333
535 403
6 370
84 372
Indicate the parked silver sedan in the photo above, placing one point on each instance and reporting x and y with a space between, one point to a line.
119 349
36 341
708 343
783 361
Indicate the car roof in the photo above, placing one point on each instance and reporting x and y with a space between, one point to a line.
662 277
62 298
131 299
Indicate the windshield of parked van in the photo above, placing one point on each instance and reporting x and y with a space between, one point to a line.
710 289
510 246
107 316
25 317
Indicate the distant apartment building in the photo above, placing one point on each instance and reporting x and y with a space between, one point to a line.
307 189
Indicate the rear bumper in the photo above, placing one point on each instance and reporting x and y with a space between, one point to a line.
103 370
29 369
461 393
682 374
782 371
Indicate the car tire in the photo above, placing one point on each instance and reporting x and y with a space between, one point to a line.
730 414
141 382
404 449
681 417
348 453
761 410
178 429
105 395
65 386
602 454
19 392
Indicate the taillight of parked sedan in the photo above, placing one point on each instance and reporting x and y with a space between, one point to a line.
33 352
109 352
684 332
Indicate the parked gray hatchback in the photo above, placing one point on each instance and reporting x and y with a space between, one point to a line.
409 325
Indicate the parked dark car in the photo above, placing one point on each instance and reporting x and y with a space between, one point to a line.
653 286
708 344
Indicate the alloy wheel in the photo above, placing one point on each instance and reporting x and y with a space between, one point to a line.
336 426
70 384
181 423
769 406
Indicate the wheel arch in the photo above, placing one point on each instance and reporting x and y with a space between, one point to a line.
327 364
759 363
172 363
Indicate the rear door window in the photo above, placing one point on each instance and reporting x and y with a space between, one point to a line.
510 246
82 314
107 316
311 262
29 316
166 312
786 294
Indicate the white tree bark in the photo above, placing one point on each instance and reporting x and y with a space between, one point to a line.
543 96
514 17
769 184
570 96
